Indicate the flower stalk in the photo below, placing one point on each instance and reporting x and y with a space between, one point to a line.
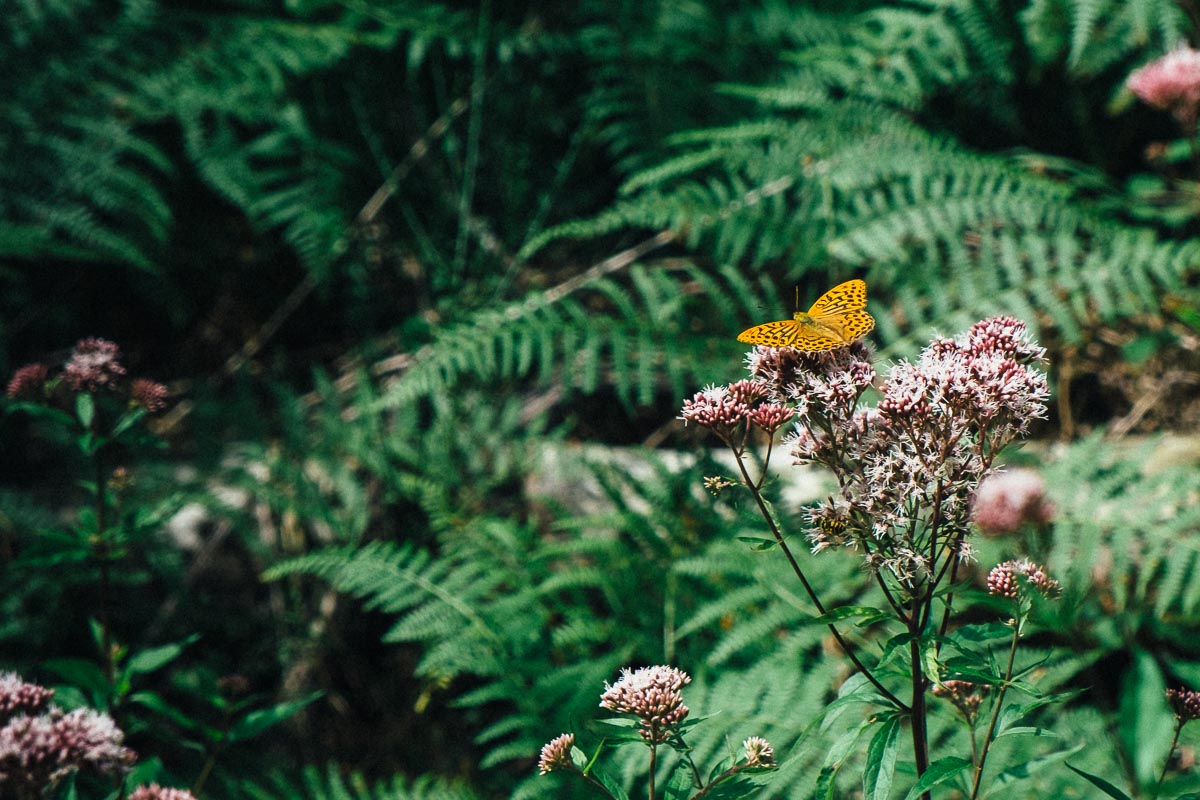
906 471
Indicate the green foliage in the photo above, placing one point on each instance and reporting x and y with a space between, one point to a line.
333 783
496 229
1096 35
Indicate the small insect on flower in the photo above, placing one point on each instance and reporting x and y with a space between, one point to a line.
837 318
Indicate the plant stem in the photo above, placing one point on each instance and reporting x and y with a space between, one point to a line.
991 732
102 551
1175 741
653 759
920 734
779 540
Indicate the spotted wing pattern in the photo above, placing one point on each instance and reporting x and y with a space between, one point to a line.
837 318
856 324
848 296
772 334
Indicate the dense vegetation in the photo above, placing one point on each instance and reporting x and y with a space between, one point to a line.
417 274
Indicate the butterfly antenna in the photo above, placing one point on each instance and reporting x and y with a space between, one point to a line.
797 297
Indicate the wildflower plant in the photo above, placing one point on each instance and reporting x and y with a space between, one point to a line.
653 715
91 400
908 471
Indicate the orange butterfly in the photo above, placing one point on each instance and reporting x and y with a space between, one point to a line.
837 318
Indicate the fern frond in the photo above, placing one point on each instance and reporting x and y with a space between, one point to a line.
332 783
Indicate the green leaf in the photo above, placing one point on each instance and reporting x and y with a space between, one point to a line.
85 409
156 703
153 658
86 675
1145 723
940 771
773 515
679 784
1027 731
43 412
127 421
881 760
758 543
611 784
868 614
1101 784
984 633
256 722
834 759
894 648
929 658
1023 770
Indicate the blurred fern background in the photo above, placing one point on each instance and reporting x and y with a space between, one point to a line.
429 281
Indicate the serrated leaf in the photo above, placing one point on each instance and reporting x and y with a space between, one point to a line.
256 722
611 784
881 760
1025 769
84 674
1026 730
154 658
1101 784
158 704
868 614
1145 723
85 409
940 771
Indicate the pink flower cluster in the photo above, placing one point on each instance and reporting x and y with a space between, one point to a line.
155 792
19 697
40 743
653 695
907 469
967 697
36 752
1185 703
28 382
93 366
726 409
556 754
1170 83
1005 579
1007 501
759 752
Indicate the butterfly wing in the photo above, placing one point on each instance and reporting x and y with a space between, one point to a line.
845 297
812 340
837 318
772 334
856 323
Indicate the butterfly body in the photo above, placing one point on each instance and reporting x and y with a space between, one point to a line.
837 318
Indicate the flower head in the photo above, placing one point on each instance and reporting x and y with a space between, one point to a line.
28 381
1006 501
771 416
716 407
155 792
19 697
36 752
1170 83
1185 703
759 752
150 395
653 695
917 459
964 695
556 754
1005 579
94 364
